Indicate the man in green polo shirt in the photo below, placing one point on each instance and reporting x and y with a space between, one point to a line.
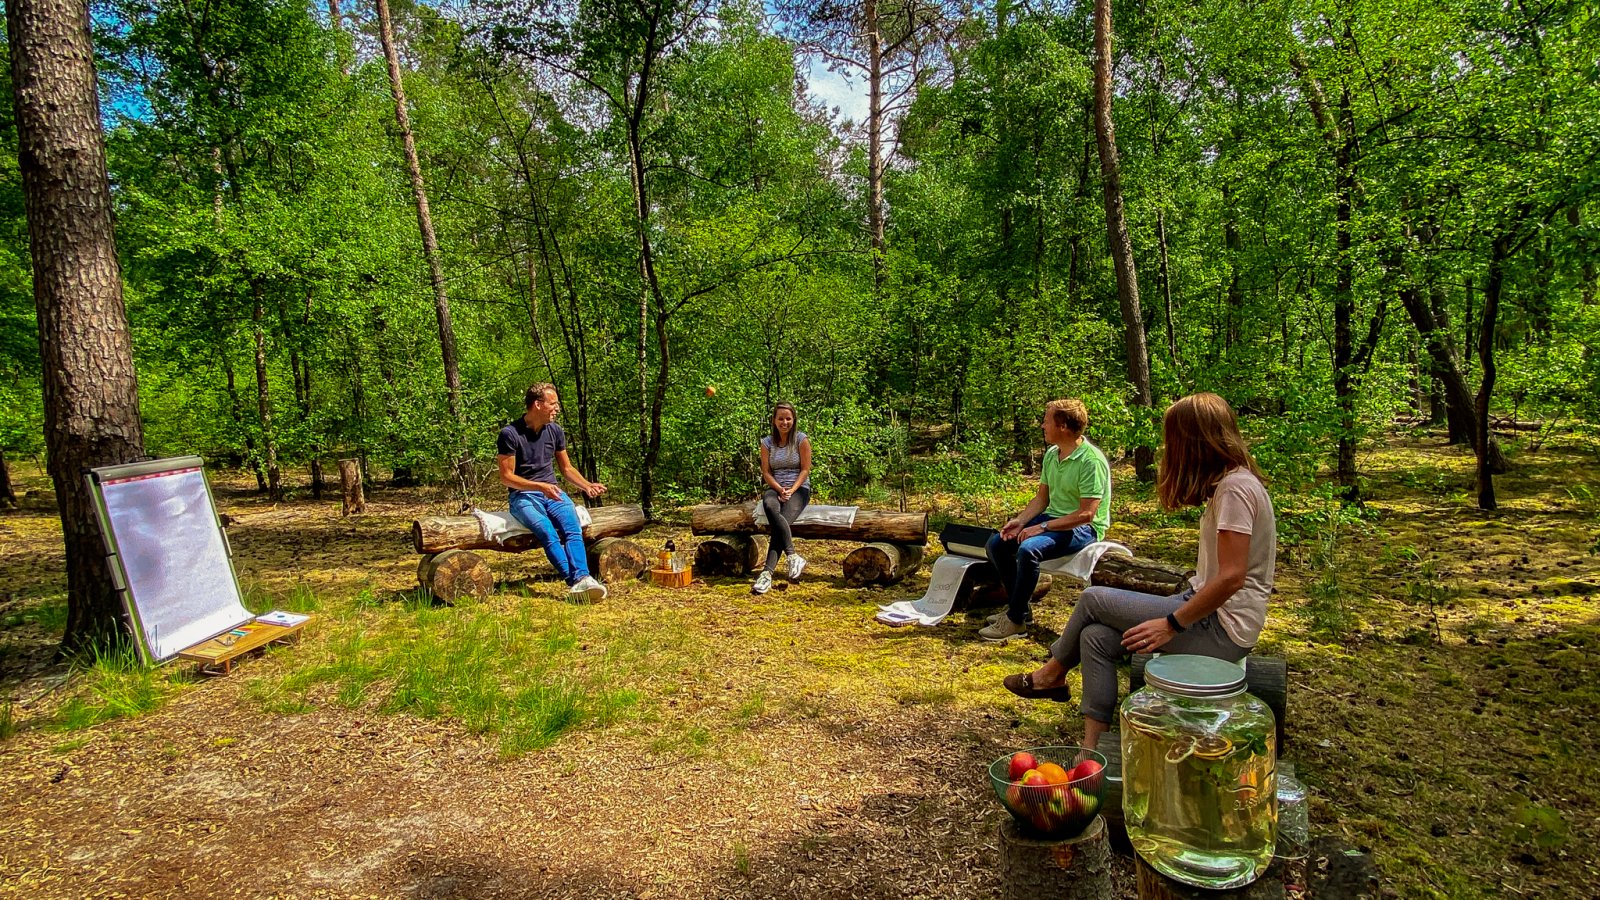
1070 511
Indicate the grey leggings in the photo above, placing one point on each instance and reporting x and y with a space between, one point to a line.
1093 640
780 515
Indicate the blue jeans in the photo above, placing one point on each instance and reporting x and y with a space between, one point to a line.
555 528
1018 564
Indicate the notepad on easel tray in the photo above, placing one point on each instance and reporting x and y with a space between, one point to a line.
279 617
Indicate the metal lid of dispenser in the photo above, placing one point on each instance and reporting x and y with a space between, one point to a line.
1203 677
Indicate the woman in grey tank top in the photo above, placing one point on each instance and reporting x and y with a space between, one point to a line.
786 472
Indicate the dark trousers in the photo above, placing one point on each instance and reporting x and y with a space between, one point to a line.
1017 564
780 516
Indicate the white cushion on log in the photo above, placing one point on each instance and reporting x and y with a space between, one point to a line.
841 516
501 526
1081 565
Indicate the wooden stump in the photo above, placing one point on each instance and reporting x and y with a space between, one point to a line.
729 554
1339 872
455 576
1133 573
1074 869
615 560
1155 886
355 501
1267 677
881 563
981 588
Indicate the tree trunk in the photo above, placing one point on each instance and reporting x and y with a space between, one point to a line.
8 495
875 210
1493 282
91 397
355 501
728 554
1458 396
1344 302
881 563
1075 869
435 534
269 445
1133 335
456 576
614 559
869 525
430 245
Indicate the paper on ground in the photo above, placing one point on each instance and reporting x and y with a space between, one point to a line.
943 582
839 516
501 526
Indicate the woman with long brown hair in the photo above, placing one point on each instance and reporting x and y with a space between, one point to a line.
786 472
1205 463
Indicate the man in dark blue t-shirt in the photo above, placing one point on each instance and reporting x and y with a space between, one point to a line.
530 449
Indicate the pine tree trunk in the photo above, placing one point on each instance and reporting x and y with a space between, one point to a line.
875 210
1344 302
269 445
91 397
430 245
1492 284
1117 232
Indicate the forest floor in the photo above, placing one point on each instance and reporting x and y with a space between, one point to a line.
708 743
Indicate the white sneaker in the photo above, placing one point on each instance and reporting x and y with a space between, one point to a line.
578 591
1003 630
596 588
997 617
797 564
763 583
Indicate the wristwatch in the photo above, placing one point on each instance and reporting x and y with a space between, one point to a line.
1172 620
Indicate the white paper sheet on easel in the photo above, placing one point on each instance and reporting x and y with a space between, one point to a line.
931 609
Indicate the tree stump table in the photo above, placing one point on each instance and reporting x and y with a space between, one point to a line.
1074 869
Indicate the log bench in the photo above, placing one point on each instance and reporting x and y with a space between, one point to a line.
893 542
452 571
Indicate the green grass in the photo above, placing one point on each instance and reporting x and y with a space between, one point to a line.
515 674
114 684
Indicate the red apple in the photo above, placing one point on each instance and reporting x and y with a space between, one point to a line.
1086 769
1020 763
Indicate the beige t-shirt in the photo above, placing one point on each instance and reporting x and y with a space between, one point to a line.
1240 504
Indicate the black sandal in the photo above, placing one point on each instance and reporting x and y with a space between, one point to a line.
1022 686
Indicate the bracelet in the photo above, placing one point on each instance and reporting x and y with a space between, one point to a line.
1172 620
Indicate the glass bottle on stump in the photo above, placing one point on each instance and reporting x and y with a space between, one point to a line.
1199 768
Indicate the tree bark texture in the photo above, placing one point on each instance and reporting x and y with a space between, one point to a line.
1075 869
456 576
269 444
870 524
1133 573
8 494
875 210
430 244
91 398
1492 285
1447 369
435 534
615 559
728 554
1155 886
881 563
355 500
1133 335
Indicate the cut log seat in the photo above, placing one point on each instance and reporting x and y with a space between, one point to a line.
435 534
881 563
870 524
